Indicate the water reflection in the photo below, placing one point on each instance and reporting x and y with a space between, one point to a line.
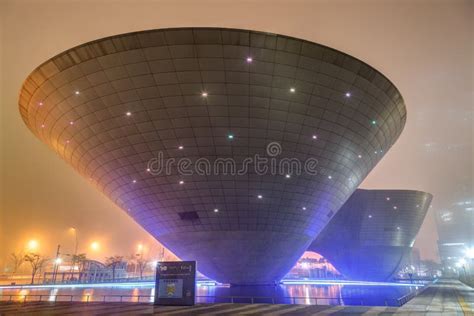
321 294
87 294
52 295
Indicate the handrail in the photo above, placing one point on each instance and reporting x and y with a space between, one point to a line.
87 298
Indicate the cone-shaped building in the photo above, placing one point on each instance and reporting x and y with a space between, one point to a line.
119 108
373 232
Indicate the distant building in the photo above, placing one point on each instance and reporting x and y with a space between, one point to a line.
314 267
456 234
92 271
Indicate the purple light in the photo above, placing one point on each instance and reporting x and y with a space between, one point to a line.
348 283
249 59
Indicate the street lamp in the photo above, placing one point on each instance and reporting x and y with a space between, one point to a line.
74 257
33 245
95 246
470 253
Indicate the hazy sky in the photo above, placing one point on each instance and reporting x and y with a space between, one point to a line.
424 47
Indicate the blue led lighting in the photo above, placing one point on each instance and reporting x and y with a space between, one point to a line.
340 282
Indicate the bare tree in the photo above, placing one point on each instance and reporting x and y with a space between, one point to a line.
36 262
17 260
113 262
141 264
80 259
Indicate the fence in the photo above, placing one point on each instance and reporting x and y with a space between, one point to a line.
85 298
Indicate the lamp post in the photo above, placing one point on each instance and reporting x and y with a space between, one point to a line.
76 241
74 230
57 261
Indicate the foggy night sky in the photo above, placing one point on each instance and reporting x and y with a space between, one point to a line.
424 47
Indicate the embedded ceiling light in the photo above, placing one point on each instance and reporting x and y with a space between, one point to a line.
181 182
348 94
249 59
71 123
418 205
148 169
376 152
374 122
304 208
134 181
259 196
40 104
370 216
230 136
76 92
329 177
42 125
180 147
395 207
387 198
398 227
216 210
292 90
204 94
360 156
287 176
67 141
315 136
128 114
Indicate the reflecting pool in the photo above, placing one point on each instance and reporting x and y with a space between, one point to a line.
289 292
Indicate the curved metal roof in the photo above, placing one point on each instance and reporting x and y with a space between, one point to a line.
111 106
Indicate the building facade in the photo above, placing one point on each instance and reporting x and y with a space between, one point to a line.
120 108
373 232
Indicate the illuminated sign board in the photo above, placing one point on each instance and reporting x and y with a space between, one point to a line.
175 283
